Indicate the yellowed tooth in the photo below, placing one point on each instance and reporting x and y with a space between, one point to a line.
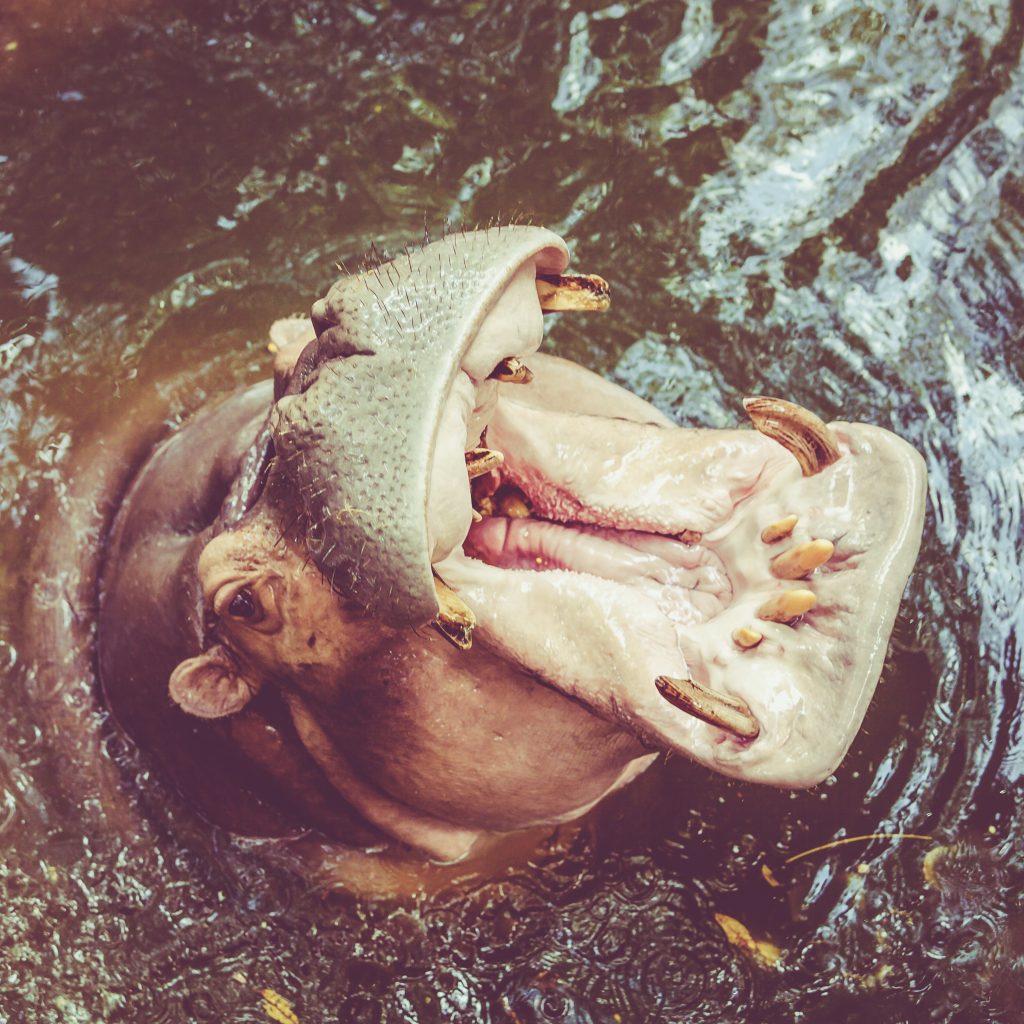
511 502
808 438
787 606
746 638
482 460
719 709
455 619
690 537
477 516
778 531
802 560
558 293
484 506
512 371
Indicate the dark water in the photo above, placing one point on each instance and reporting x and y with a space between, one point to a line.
818 200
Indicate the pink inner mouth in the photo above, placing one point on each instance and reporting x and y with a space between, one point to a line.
643 557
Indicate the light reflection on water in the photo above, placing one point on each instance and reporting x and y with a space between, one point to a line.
819 201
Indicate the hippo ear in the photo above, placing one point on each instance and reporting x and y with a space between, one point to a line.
210 685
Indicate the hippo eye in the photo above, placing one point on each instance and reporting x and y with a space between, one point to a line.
243 605
252 603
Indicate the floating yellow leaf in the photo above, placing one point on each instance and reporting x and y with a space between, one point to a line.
931 859
769 876
765 953
277 1008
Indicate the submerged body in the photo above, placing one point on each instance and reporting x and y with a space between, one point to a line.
634 587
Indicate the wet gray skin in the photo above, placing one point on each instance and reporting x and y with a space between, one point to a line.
357 442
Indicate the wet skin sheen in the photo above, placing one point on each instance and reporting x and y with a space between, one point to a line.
285 604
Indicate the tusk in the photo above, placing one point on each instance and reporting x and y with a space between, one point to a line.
800 432
720 709
746 638
802 560
777 531
787 606
482 460
559 293
511 371
455 619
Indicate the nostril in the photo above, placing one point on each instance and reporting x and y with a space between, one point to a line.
318 314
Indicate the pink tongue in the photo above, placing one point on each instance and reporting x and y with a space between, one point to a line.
614 472
688 583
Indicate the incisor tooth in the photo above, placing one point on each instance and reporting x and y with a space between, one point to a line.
720 709
787 606
482 460
806 437
558 292
455 620
746 638
484 506
512 371
777 531
802 560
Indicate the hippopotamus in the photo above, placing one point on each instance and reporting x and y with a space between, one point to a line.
430 586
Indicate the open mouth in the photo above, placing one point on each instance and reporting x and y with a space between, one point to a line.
724 593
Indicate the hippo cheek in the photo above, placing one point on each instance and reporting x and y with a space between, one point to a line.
482 743
695 586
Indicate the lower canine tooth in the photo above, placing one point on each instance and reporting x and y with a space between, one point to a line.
482 460
572 291
746 639
803 559
512 371
787 606
720 709
455 620
778 531
807 438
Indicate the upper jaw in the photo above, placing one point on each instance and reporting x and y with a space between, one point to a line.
357 446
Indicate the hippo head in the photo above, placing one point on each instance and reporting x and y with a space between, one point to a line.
488 596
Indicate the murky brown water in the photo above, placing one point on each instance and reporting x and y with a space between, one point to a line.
819 200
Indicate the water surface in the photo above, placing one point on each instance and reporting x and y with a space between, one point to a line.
823 201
